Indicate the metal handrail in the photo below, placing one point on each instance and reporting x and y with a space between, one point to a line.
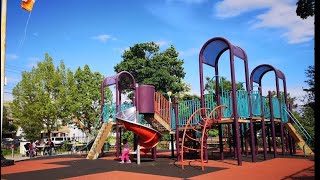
309 139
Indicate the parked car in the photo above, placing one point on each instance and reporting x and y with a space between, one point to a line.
9 141
58 141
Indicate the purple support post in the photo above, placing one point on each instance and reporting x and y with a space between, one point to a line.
286 133
154 153
135 137
272 125
118 145
220 141
235 110
229 139
218 104
176 112
248 87
255 138
241 138
281 123
234 140
172 145
263 127
269 140
293 147
282 136
246 140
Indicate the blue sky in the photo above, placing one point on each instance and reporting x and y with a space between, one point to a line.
96 33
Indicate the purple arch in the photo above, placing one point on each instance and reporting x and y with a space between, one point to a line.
256 76
210 54
123 80
258 72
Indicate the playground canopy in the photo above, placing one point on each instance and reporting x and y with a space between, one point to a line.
215 47
262 69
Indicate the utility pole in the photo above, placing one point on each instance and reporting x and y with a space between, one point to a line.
3 51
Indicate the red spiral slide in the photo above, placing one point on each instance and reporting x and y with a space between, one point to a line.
147 137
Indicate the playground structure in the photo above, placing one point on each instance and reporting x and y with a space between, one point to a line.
190 120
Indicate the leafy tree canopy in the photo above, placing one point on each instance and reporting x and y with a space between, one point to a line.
225 85
310 72
36 103
47 96
305 8
85 93
149 66
7 127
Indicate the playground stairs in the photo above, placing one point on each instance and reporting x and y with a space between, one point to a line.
100 140
157 122
161 118
296 136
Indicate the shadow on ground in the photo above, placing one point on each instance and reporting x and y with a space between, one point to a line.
81 166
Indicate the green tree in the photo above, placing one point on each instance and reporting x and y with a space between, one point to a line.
36 103
310 72
307 118
186 97
7 127
149 66
225 85
305 8
85 94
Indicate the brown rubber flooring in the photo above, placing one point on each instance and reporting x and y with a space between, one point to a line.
72 167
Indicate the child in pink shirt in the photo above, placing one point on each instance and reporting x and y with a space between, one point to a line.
125 153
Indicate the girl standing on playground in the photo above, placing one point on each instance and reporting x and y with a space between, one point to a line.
125 153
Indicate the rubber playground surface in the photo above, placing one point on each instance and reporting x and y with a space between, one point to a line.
76 167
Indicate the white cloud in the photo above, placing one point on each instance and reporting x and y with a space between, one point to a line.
189 52
162 43
12 56
35 34
102 37
278 14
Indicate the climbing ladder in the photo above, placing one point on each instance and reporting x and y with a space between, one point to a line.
204 118
303 143
99 140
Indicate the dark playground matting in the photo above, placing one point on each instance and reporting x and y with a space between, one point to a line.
81 166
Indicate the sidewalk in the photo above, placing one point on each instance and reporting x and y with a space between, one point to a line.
20 157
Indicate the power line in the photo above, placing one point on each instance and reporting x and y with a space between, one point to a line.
13 71
15 67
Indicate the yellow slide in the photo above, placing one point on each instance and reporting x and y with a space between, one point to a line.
99 141
298 139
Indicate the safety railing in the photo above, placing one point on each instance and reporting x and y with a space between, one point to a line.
162 107
306 136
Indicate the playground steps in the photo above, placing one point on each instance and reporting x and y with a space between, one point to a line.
158 123
296 136
99 141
